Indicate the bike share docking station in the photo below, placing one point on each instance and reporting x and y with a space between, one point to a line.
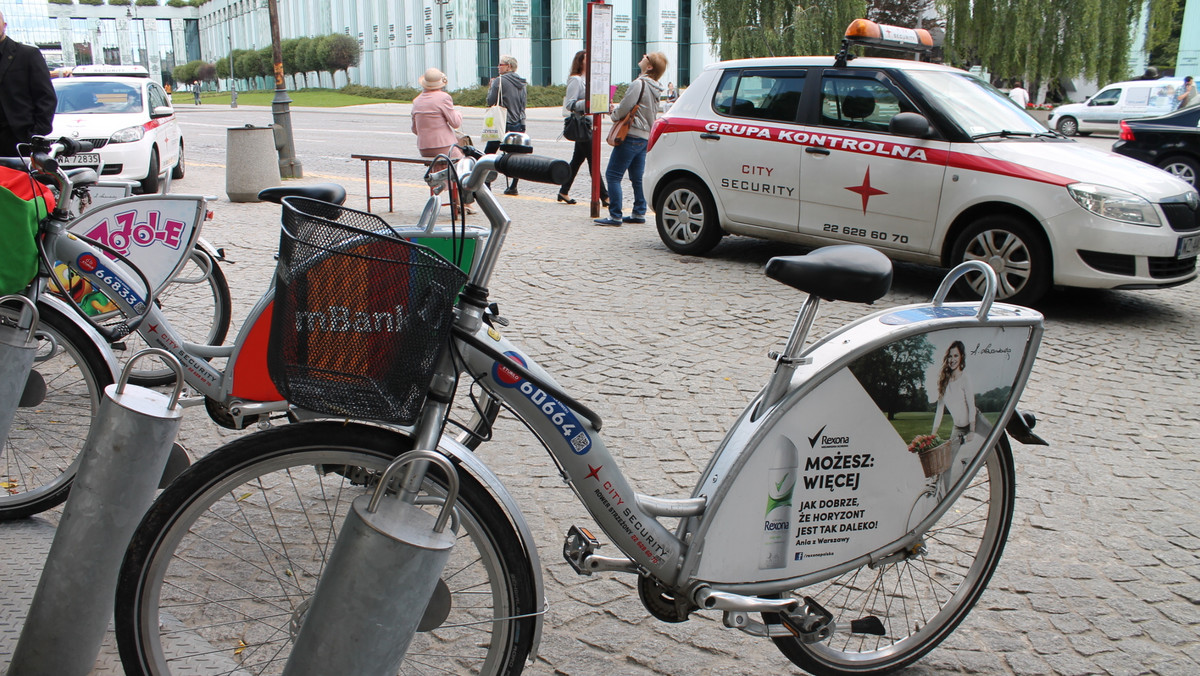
382 583
121 465
18 348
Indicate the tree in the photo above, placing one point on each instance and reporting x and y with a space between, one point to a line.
779 27
338 52
206 72
894 375
307 59
1039 39
1162 39
287 51
222 67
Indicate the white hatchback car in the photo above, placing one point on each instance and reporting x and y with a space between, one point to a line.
128 119
1118 101
924 162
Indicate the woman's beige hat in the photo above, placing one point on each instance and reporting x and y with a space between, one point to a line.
433 79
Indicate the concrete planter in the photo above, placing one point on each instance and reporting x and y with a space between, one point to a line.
1042 116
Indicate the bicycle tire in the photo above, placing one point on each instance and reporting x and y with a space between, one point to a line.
185 301
952 585
40 456
225 529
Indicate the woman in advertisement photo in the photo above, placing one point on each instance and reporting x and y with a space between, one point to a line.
954 394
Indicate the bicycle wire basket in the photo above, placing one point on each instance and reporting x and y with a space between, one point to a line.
361 315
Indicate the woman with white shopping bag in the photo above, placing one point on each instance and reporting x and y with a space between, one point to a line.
506 92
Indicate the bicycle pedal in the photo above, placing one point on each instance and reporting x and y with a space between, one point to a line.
578 545
811 623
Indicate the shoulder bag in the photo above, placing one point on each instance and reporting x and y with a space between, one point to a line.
496 118
620 128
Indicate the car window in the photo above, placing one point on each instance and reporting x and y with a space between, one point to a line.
1108 97
158 97
760 94
90 96
859 103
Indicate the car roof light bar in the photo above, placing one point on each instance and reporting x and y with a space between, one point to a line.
883 36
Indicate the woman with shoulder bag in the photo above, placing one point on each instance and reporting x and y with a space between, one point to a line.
579 124
640 102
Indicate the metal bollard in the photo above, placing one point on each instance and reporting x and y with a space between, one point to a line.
18 347
121 463
381 577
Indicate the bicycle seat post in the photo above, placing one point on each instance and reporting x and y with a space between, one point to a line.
786 361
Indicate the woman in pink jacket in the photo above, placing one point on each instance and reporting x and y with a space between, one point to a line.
434 118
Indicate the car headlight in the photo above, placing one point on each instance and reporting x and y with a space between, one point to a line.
128 135
1119 205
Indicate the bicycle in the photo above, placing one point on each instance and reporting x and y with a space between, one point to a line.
223 566
50 427
196 297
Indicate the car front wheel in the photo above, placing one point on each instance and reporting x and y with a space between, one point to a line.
687 218
1184 168
1014 250
1068 126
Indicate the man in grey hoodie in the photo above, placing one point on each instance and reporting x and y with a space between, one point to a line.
509 90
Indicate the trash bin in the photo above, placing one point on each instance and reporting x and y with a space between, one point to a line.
251 162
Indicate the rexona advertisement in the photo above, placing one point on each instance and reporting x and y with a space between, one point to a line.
864 457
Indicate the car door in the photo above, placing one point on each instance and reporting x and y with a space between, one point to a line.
166 127
863 183
1102 112
752 166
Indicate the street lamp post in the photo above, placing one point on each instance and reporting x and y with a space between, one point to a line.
232 80
289 166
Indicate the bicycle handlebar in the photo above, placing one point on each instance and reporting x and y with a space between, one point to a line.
534 168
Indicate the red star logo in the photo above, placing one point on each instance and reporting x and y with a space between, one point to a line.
865 189
153 328
595 473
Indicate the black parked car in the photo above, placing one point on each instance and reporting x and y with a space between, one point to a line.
1169 142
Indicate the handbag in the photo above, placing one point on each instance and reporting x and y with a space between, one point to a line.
620 128
577 128
495 120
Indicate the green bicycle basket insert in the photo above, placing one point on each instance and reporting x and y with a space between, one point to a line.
23 203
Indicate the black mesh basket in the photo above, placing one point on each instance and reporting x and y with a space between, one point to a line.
361 316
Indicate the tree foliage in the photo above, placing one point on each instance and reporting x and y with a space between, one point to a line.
749 28
1038 39
338 52
894 375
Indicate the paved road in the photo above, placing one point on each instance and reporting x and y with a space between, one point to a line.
1101 574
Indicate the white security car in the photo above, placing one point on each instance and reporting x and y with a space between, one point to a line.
128 119
924 162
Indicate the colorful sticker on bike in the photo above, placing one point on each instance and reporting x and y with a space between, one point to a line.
127 230
106 279
90 299
557 413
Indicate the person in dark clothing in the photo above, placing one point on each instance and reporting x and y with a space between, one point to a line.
508 89
27 99
574 104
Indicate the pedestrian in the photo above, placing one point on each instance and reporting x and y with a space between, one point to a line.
631 154
1019 95
508 89
672 93
574 104
1187 95
167 88
196 92
435 120
27 99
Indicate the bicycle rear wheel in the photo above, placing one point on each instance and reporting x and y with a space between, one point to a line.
920 599
220 571
40 456
197 303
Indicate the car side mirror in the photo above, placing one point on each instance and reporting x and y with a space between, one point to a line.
162 111
910 124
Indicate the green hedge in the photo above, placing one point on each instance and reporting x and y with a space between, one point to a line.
61 2
119 3
91 2
146 3
471 97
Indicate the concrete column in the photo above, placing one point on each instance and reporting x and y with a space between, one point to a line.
1188 61
662 34
623 61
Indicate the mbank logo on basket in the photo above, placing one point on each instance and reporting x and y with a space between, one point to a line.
338 319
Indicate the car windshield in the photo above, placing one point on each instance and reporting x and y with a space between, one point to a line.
90 96
977 107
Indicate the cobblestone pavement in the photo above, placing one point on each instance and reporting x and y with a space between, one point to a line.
1100 576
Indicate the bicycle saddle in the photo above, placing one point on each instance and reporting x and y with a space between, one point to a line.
14 163
325 192
849 272
81 176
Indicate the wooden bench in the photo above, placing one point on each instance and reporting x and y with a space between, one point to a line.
368 159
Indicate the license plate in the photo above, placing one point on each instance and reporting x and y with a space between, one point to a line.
1188 246
80 159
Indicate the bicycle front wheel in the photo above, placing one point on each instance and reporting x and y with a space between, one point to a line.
40 456
220 572
918 600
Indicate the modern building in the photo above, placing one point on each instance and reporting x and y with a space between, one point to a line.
465 38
